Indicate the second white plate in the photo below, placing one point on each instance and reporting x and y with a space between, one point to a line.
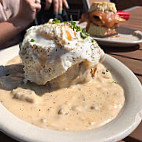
127 120
124 37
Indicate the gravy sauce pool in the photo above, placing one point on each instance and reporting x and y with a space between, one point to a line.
80 107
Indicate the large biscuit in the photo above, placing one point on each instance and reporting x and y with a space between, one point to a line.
103 6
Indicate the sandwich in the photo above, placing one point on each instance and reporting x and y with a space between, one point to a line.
102 19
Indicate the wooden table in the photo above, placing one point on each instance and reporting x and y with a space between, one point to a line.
130 56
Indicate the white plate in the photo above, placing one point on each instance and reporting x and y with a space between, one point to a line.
127 120
124 37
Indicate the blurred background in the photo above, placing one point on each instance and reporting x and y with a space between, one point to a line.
77 7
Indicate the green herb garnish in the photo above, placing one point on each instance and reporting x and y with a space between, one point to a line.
107 70
76 28
115 81
55 21
65 22
92 40
103 72
73 25
84 30
32 40
84 34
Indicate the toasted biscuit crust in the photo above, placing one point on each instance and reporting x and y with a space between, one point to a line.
100 31
103 6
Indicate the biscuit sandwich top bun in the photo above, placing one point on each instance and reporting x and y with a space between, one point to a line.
103 6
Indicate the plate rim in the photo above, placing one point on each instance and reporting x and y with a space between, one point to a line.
83 136
135 32
103 41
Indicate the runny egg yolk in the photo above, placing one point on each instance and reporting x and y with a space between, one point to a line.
45 35
69 37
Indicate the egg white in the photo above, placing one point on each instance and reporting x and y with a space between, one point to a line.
63 48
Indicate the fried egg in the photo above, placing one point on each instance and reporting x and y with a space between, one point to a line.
49 50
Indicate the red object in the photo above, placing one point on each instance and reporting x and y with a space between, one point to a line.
123 14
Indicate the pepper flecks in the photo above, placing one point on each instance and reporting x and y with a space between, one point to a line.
56 49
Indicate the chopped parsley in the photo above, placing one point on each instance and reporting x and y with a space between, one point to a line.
115 82
65 22
32 40
92 40
75 27
103 72
55 21
83 32
78 28
83 35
